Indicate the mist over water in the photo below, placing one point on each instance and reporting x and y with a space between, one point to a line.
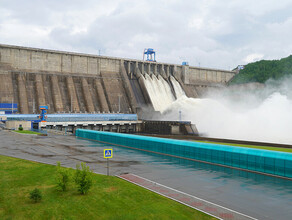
256 113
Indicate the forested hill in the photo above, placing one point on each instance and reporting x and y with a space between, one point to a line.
263 70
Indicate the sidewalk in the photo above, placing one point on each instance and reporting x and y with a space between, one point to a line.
186 199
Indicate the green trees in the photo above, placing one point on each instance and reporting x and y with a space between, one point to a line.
263 70
82 177
62 177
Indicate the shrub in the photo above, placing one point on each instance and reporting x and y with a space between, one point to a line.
62 177
20 128
35 195
83 178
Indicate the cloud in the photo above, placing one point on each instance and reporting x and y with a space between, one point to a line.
253 57
219 34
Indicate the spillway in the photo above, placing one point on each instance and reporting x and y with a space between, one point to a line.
179 92
160 91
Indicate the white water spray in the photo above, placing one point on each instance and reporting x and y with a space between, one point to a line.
179 92
262 115
159 92
151 91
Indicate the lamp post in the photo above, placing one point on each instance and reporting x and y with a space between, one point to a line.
33 106
71 103
12 106
119 102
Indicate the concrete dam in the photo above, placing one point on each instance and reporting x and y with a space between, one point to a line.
75 82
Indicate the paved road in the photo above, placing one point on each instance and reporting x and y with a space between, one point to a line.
66 149
186 199
255 195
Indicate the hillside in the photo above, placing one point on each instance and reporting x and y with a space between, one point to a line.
263 70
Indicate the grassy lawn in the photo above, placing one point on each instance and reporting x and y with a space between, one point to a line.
26 132
288 150
110 197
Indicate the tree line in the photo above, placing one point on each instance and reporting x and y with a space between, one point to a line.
263 70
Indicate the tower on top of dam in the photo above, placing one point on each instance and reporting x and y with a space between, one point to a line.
150 55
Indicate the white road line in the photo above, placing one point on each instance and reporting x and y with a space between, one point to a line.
196 197
171 198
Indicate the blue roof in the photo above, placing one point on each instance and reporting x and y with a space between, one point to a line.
74 117
221 147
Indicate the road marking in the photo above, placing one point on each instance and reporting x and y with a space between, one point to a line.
247 216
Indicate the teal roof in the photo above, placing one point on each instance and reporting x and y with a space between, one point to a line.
221 147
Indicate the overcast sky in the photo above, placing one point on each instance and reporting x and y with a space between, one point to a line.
210 33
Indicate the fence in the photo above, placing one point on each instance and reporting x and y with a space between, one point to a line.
263 161
76 117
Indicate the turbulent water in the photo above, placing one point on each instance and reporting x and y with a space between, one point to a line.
159 92
260 115
271 121
179 92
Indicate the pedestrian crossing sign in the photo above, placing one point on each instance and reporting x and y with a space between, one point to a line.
108 153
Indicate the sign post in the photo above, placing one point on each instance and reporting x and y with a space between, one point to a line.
108 153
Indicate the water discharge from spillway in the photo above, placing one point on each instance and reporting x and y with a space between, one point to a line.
159 91
179 92
248 118
258 115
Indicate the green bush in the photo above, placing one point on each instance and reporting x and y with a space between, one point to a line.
83 178
20 128
62 177
35 195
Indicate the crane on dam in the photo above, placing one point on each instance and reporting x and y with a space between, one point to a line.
150 54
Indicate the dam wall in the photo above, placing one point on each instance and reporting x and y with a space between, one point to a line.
255 160
75 82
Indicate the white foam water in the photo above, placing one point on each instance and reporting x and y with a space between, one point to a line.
269 121
263 115
179 92
160 92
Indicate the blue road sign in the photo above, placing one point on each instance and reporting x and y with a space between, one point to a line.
108 153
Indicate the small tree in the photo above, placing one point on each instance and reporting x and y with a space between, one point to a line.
20 128
83 178
62 177
35 195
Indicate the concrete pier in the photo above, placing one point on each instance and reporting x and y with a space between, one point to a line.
6 88
101 96
74 107
128 89
58 104
87 96
22 94
41 100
